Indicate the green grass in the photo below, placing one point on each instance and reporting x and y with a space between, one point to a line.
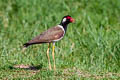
90 49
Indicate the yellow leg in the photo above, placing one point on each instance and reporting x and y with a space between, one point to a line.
53 49
48 56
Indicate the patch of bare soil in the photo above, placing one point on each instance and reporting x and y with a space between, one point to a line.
22 66
27 70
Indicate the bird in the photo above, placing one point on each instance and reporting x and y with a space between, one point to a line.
52 35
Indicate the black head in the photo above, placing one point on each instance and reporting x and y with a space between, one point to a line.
67 19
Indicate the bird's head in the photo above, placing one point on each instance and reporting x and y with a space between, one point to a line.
67 19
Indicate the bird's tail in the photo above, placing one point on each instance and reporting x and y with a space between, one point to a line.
26 45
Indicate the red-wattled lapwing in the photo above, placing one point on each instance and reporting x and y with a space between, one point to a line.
52 35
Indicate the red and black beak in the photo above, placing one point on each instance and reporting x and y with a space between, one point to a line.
72 20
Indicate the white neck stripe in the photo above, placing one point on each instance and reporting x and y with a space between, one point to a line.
63 34
61 28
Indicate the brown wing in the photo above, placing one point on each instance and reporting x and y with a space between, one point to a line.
48 36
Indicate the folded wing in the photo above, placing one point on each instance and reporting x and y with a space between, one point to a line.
51 35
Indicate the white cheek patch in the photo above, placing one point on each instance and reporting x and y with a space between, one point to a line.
64 20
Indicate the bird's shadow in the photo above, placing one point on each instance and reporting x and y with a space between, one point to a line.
26 67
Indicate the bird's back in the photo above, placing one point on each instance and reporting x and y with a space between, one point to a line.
52 34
